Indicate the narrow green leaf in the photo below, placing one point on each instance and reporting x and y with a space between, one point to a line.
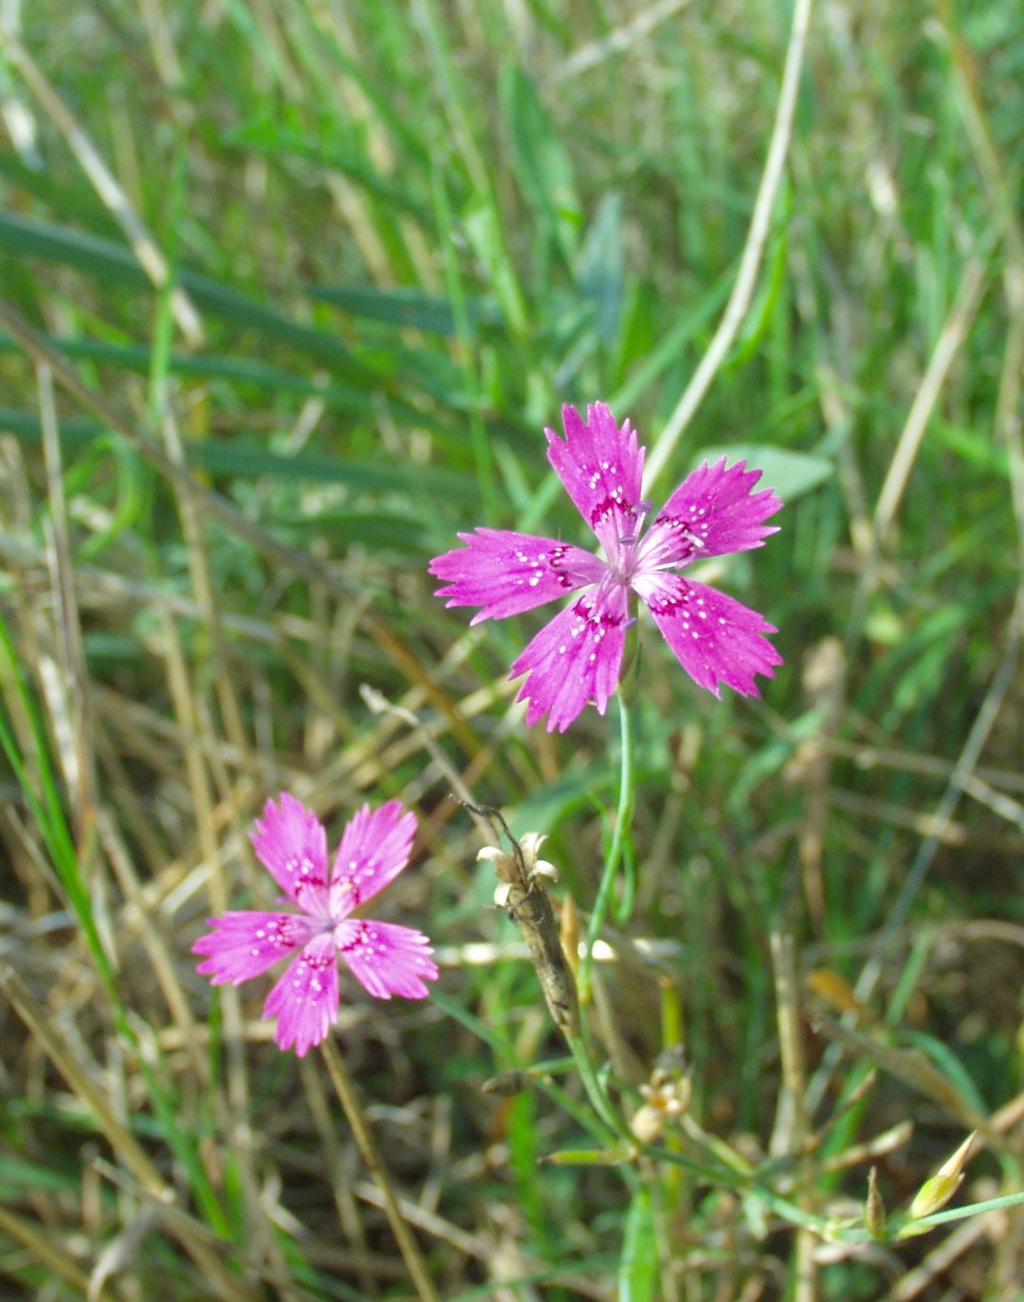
601 271
542 164
242 370
42 795
242 459
271 138
638 1265
948 1063
116 264
675 339
482 226
406 307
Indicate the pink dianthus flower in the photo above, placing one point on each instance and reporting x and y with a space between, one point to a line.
386 959
577 657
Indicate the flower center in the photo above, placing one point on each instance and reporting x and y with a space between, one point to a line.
624 553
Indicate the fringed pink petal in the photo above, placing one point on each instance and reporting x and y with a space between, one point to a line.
716 639
242 945
601 466
386 959
374 849
713 512
292 845
575 659
506 573
305 1000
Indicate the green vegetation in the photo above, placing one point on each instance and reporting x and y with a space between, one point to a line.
288 292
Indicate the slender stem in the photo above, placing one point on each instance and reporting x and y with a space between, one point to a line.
349 1098
750 262
958 1214
623 823
598 1099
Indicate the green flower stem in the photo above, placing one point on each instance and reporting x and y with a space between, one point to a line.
616 852
349 1098
904 1229
599 1100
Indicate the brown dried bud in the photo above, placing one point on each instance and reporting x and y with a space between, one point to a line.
511 868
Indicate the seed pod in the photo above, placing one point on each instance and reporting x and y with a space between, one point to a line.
521 893
530 909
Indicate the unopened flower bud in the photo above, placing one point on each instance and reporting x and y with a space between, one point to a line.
648 1124
937 1191
874 1207
666 1097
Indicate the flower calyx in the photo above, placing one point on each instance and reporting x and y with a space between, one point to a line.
666 1097
519 870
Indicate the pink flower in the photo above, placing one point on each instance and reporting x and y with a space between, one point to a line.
577 657
388 960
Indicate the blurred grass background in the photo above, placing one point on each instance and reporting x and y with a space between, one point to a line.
337 264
